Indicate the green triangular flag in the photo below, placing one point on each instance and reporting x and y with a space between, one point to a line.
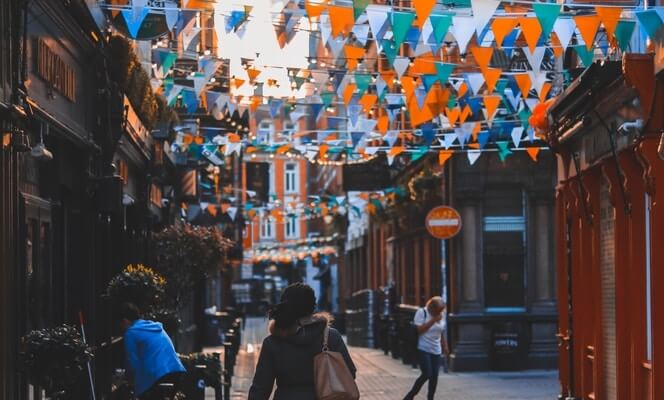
524 114
623 33
441 24
503 150
417 154
452 101
298 81
390 50
585 54
443 71
359 6
327 98
362 81
650 22
429 80
546 13
401 22
501 85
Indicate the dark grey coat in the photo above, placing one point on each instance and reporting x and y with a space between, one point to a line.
287 357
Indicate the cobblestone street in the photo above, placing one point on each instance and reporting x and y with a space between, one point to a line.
382 377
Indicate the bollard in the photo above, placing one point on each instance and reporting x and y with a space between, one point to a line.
230 338
227 385
228 358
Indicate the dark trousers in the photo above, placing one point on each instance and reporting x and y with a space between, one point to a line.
155 392
429 365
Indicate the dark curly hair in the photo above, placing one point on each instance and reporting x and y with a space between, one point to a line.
297 301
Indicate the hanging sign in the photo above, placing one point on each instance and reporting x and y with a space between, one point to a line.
443 222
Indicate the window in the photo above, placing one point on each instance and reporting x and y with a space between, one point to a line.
265 132
292 228
504 242
289 132
291 185
267 228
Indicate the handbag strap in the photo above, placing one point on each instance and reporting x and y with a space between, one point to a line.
326 335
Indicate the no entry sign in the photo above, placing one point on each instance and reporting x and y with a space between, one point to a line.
443 222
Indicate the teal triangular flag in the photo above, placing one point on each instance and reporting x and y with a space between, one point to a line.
429 80
401 22
359 6
503 150
362 81
624 31
417 154
524 114
585 54
547 14
441 24
166 59
501 85
443 71
650 22
327 98
390 50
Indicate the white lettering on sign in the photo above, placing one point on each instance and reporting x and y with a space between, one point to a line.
444 222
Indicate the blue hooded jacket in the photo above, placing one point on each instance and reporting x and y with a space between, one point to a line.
150 354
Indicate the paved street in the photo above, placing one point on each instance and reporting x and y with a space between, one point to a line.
381 377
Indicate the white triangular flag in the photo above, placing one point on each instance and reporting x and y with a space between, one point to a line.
401 65
378 16
473 155
231 211
361 33
517 134
535 59
475 81
325 28
188 37
564 28
463 28
482 12
537 79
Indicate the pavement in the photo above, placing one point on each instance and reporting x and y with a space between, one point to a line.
381 377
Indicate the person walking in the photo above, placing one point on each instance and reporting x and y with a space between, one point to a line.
287 354
151 357
431 344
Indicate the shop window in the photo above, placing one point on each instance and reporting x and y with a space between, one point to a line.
291 185
504 248
292 228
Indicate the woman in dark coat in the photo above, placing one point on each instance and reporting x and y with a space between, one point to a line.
296 336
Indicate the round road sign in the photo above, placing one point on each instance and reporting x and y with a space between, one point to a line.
443 222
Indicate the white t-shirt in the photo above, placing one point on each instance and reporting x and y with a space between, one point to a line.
429 341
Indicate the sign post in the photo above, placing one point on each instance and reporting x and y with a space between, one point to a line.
443 222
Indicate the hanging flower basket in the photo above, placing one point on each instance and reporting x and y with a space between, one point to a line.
137 284
55 359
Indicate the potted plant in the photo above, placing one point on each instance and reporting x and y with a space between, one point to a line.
137 284
55 359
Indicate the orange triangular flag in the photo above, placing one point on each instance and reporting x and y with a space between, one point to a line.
212 210
353 54
588 25
482 56
556 46
465 113
187 138
423 65
408 84
443 156
348 92
255 102
609 17
322 150
491 76
238 82
491 104
383 124
342 19
533 152
524 83
233 138
388 78
199 139
423 9
452 115
368 101
546 86
396 150
531 30
314 10
502 27
283 149
463 89
253 73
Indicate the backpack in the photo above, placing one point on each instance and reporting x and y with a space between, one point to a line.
414 334
332 378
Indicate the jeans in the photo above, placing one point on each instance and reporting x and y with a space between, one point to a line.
429 365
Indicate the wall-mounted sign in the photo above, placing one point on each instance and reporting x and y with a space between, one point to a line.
443 222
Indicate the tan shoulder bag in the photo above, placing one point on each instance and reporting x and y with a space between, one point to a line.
332 378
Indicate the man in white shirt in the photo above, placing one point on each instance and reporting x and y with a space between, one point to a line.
431 344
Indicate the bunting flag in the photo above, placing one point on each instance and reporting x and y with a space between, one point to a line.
531 31
503 150
401 22
609 17
482 56
443 156
517 134
501 27
134 19
483 10
650 22
422 10
584 54
473 155
587 25
463 28
342 20
358 7
564 28
441 24
623 34
547 14
378 16
533 152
